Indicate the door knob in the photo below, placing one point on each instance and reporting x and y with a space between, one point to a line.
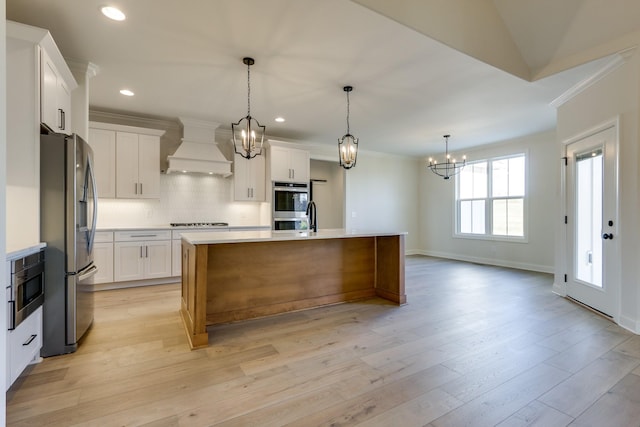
608 236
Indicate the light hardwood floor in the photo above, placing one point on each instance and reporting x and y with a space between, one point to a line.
475 346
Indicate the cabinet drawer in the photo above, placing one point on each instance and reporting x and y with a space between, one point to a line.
177 234
104 237
130 236
24 344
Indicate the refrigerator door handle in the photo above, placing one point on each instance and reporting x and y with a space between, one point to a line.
90 272
95 203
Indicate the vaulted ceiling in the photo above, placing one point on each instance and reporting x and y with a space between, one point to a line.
482 70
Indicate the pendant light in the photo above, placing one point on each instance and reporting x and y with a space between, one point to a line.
248 134
348 144
449 167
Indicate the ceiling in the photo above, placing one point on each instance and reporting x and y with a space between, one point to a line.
482 70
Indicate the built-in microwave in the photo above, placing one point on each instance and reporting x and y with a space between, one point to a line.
290 200
26 292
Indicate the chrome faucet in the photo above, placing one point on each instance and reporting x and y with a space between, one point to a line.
312 214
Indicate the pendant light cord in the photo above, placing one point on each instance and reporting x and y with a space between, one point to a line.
248 90
348 132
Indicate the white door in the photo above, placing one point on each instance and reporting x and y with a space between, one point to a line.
592 276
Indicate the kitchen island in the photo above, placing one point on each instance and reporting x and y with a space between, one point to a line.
241 275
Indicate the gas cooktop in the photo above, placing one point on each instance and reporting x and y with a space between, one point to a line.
199 224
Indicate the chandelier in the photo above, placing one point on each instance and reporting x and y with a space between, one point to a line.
348 144
245 140
449 167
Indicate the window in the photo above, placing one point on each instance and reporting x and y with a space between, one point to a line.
490 198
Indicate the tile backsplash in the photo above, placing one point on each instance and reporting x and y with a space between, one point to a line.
184 198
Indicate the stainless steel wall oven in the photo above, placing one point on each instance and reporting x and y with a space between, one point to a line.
290 205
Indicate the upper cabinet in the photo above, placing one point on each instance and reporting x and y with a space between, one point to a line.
103 143
126 160
26 46
249 179
55 96
289 164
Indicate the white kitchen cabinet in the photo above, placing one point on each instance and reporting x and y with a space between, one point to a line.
249 179
103 257
55 96
23 345
127 160
289 164
142 254
176 257
137 166
103 143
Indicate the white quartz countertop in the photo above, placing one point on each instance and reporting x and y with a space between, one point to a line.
169 227
272 236
16 253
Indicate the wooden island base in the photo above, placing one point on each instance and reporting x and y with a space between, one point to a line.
226 282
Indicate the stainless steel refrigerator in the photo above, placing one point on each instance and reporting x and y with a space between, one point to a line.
68 213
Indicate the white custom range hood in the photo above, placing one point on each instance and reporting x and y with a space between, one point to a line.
198 152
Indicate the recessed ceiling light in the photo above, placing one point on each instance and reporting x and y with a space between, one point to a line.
279 119
127 92
113 13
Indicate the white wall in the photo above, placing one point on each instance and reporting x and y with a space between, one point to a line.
616 95
382 194
23 148
184 198
3 164
437 210
329 195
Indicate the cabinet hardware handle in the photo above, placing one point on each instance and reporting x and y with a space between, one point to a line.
140 188
135 187
144 235
60 118
140 251
293 173
31 338
248 192
146 251
64 120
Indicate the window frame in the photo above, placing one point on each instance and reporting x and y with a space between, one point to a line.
489 202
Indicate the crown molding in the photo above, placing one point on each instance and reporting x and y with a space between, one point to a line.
89 68
97 115
616 61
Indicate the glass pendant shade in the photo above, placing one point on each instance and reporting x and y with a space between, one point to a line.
348 144
248 133
246 141
348 150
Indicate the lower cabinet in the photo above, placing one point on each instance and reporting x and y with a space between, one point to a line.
176 254
23 345
141 255
103 257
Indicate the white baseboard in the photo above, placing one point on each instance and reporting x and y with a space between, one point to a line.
630 324
560 289
487 261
